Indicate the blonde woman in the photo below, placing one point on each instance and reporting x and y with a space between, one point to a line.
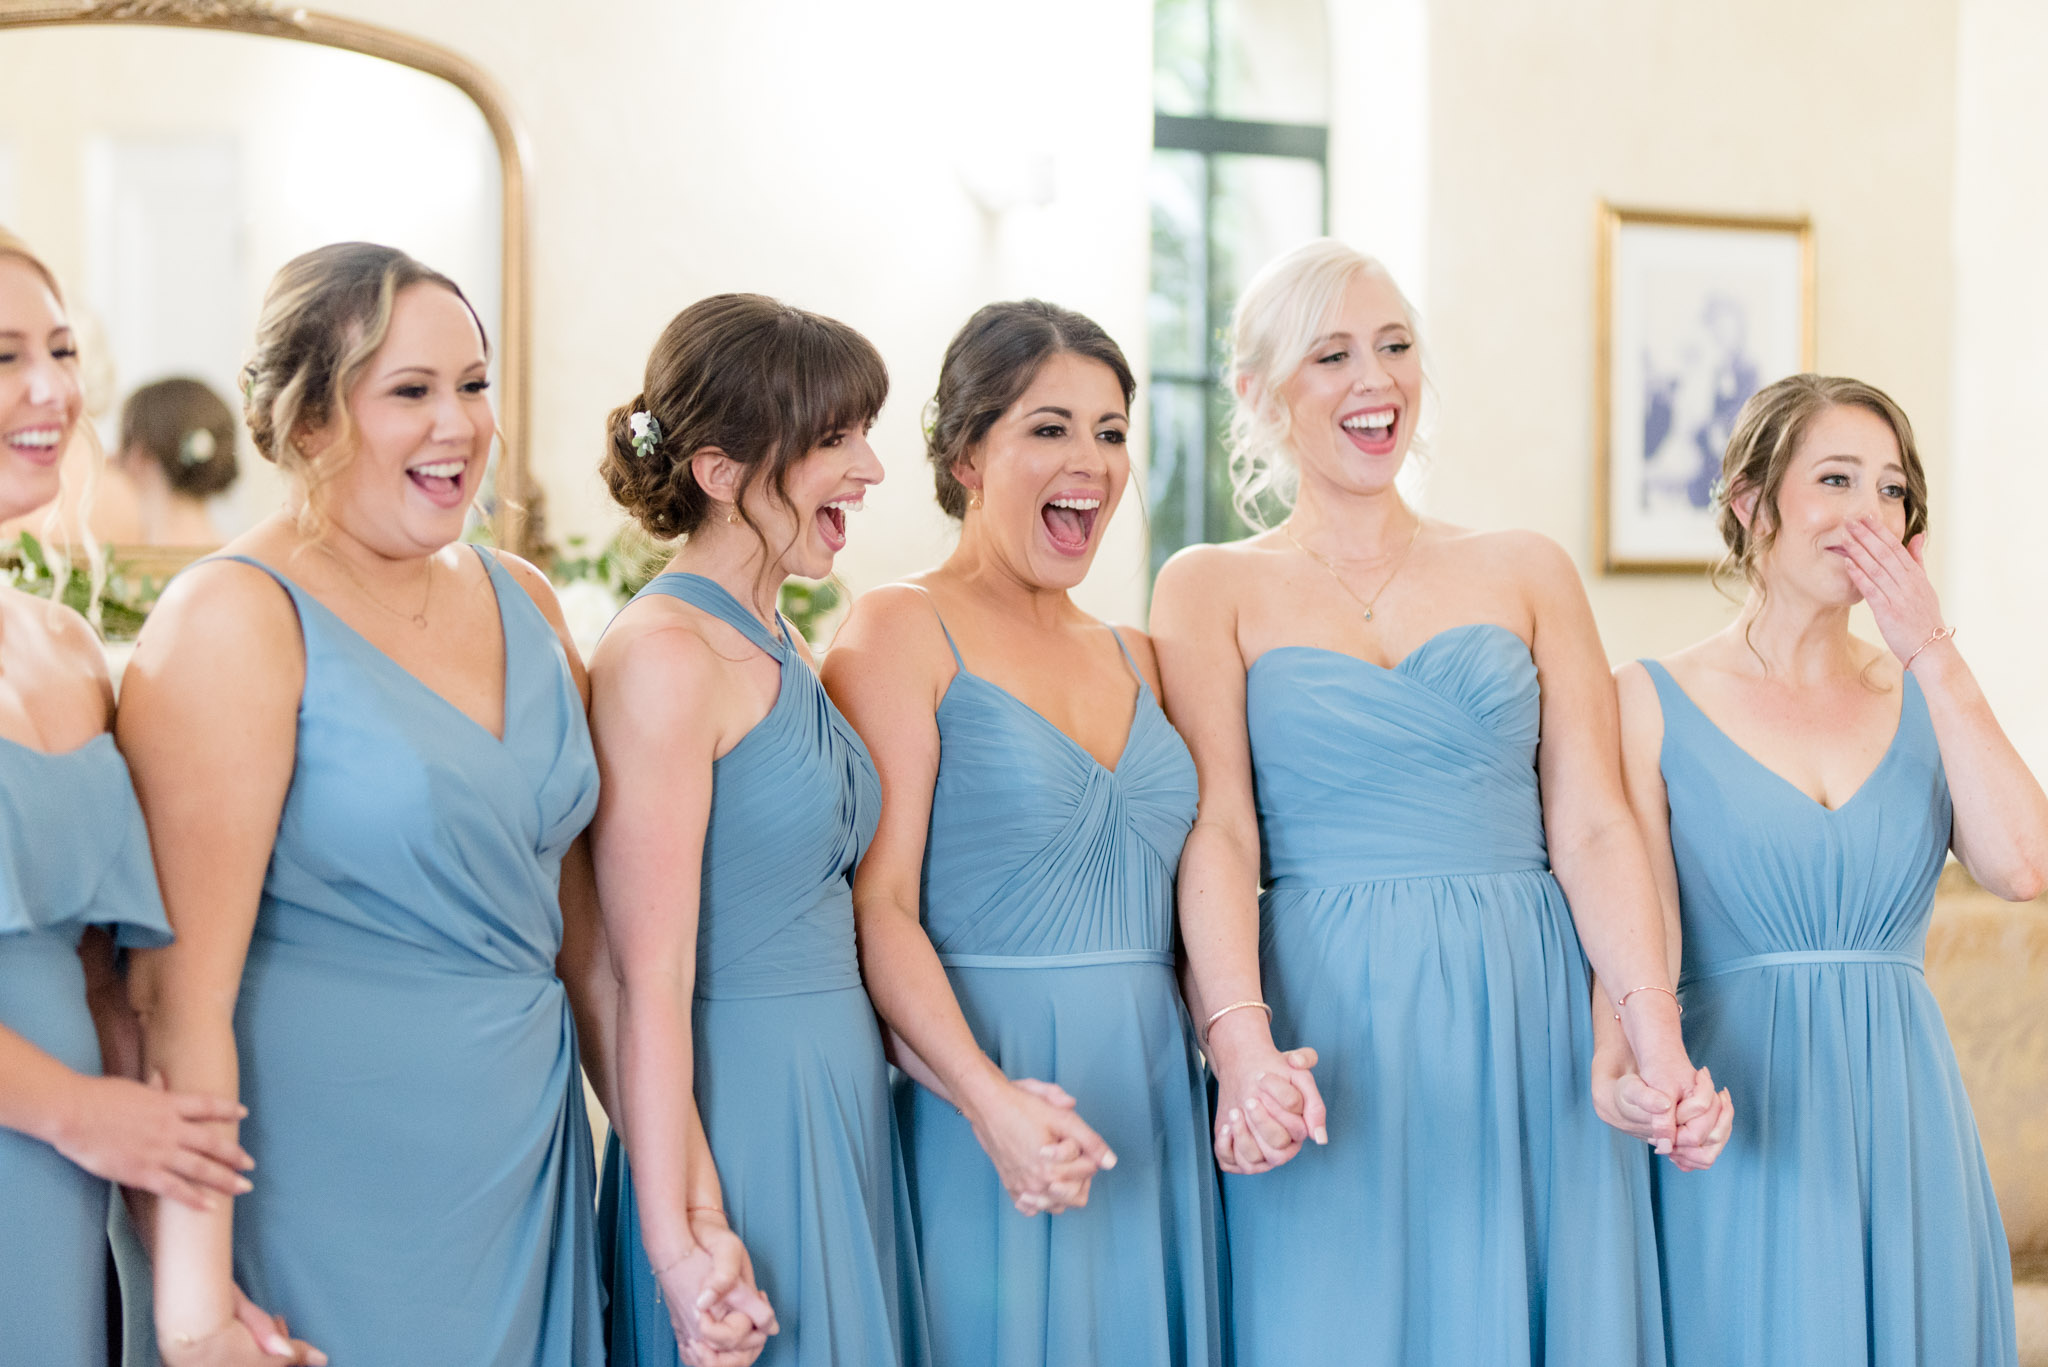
1406 732
1799 789
361 749
75 880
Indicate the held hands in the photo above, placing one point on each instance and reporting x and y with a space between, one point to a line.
1893 580
1665 1101
173 1144
720 1317
1267 1104
252 1336
1045 1154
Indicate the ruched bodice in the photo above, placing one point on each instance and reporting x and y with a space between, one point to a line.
1425 769
1049 894
1859 878
1469 1207
407 1052
1851 1215
73 853
1036 848
788 1075
799 783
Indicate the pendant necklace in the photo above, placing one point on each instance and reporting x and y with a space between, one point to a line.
1365 603
418 619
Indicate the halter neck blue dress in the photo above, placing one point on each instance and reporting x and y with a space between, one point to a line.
425 1183
73 854
1850 1219
790 1079
1470 1206
1048 892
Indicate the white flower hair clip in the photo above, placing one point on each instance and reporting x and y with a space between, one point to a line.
646 433
196 448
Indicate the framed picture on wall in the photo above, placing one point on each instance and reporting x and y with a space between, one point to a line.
1696 312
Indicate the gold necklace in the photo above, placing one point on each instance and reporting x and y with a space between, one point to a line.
1365 603
418 619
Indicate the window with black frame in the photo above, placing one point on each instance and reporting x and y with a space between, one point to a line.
1240 151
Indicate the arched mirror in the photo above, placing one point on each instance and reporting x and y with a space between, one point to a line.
170 156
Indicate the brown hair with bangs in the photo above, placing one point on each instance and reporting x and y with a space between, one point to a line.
761 381
1767 434
324 316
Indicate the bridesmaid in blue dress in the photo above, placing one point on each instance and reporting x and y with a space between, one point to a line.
1016 909
1405 732
1799 789
753 1192
75 882
361 750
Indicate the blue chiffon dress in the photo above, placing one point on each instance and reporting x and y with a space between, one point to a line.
425 1182
790 1078
1470 1206
1850 1220
73 853
1048 892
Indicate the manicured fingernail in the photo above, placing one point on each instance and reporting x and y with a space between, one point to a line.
1252 1104
1108 1160
243 1186
704 1299
277 1347
1322 1135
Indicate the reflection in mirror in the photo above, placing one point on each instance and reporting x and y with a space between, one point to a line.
166 175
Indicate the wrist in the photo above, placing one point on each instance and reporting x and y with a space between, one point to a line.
1238 1036
1938 657
976 1094
68 1116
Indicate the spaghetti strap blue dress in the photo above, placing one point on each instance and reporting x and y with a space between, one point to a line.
425 1181
73 853
1470 1206
1048 893
1850 1222
790 1078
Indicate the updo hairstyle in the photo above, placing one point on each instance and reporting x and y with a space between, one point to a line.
989 364
763 382
1767 434
1278 318
183 426
324 316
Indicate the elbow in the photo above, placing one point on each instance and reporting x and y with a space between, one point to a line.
2026 882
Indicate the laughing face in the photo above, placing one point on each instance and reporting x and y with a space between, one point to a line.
40 398
1846 466
423 428
1355 396
1051 470
827 484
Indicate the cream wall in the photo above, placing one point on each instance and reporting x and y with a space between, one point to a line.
1841 111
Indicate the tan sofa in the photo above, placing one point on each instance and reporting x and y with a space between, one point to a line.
1987 962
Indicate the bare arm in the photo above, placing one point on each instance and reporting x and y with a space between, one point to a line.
1194 635
209 724
2001 813
659 716
887 671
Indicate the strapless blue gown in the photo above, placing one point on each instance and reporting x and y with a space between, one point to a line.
1470 1206
425 1181
73 853
1850 1222
791 1082
1048 892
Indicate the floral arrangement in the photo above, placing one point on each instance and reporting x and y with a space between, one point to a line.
116 606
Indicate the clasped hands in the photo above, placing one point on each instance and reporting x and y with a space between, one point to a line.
1044 1153
1267 1103
1673 1107
720 1317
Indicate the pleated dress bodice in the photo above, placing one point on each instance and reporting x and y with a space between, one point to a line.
73 853
1470 1206
407 1052
789 1074
1851 1216
1048 892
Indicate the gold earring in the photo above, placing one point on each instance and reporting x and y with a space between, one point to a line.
974 498
732 515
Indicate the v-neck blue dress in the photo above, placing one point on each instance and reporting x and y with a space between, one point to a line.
1048 892
790 1078
425 1184
1850 1222
1470 1206
73 853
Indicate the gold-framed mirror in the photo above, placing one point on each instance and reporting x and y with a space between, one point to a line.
182 154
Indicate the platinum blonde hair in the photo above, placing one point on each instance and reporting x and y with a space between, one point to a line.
1278 318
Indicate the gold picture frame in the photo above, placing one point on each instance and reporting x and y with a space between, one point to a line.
516 522
1692 313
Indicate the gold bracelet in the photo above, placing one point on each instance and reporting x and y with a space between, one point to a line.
1215 1016
1647 987
1938 634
